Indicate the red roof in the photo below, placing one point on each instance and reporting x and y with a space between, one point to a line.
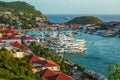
12 29
52 62
51 75
62 76
47 63
46 73
42 63
8 31
1 41
11 37
19 45
34 58
27 37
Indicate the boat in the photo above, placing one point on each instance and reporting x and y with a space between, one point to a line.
67 18
65 44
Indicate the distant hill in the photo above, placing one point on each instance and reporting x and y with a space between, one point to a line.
22 11
85 20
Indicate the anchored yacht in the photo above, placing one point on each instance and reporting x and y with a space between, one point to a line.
63 43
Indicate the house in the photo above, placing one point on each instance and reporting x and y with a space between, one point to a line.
37 64
17 53
0 35
46 73
19 45
9 31
50 64
5 45
33 62
51 75
11 38
61 76
22 47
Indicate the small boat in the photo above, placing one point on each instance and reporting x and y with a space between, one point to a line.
92 43
67 18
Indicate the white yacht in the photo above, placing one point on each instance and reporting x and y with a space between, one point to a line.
63 43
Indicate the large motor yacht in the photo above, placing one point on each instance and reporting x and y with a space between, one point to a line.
62 43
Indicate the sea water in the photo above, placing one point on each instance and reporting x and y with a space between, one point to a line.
101 51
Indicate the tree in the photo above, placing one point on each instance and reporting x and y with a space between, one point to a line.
14 69
114 72
43 79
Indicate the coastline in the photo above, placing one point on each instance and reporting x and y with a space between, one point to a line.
58 18
91 55
75 70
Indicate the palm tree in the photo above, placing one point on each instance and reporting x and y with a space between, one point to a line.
114 72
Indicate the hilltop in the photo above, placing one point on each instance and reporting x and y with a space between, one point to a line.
23 13
85 20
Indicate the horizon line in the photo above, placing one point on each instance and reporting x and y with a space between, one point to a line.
78 14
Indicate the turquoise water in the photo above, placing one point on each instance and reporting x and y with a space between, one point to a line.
103 52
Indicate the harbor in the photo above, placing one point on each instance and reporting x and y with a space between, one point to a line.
100 53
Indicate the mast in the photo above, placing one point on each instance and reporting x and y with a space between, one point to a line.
58 29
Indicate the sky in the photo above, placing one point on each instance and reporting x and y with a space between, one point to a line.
75 6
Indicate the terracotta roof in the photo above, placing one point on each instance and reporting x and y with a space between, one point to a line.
42 63
19 45
12 29
27 37
52 62
8 31
11 37
1 40
61 76
47 63
46 73
34 58
51 75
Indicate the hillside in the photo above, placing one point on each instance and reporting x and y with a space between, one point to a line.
22 12
14 69
85 20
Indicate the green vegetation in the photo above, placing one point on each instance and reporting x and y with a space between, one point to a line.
20 6
48 54
104 27
20 14
14 69
114 71
85 20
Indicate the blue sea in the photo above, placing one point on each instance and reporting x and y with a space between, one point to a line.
61 18
104 51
